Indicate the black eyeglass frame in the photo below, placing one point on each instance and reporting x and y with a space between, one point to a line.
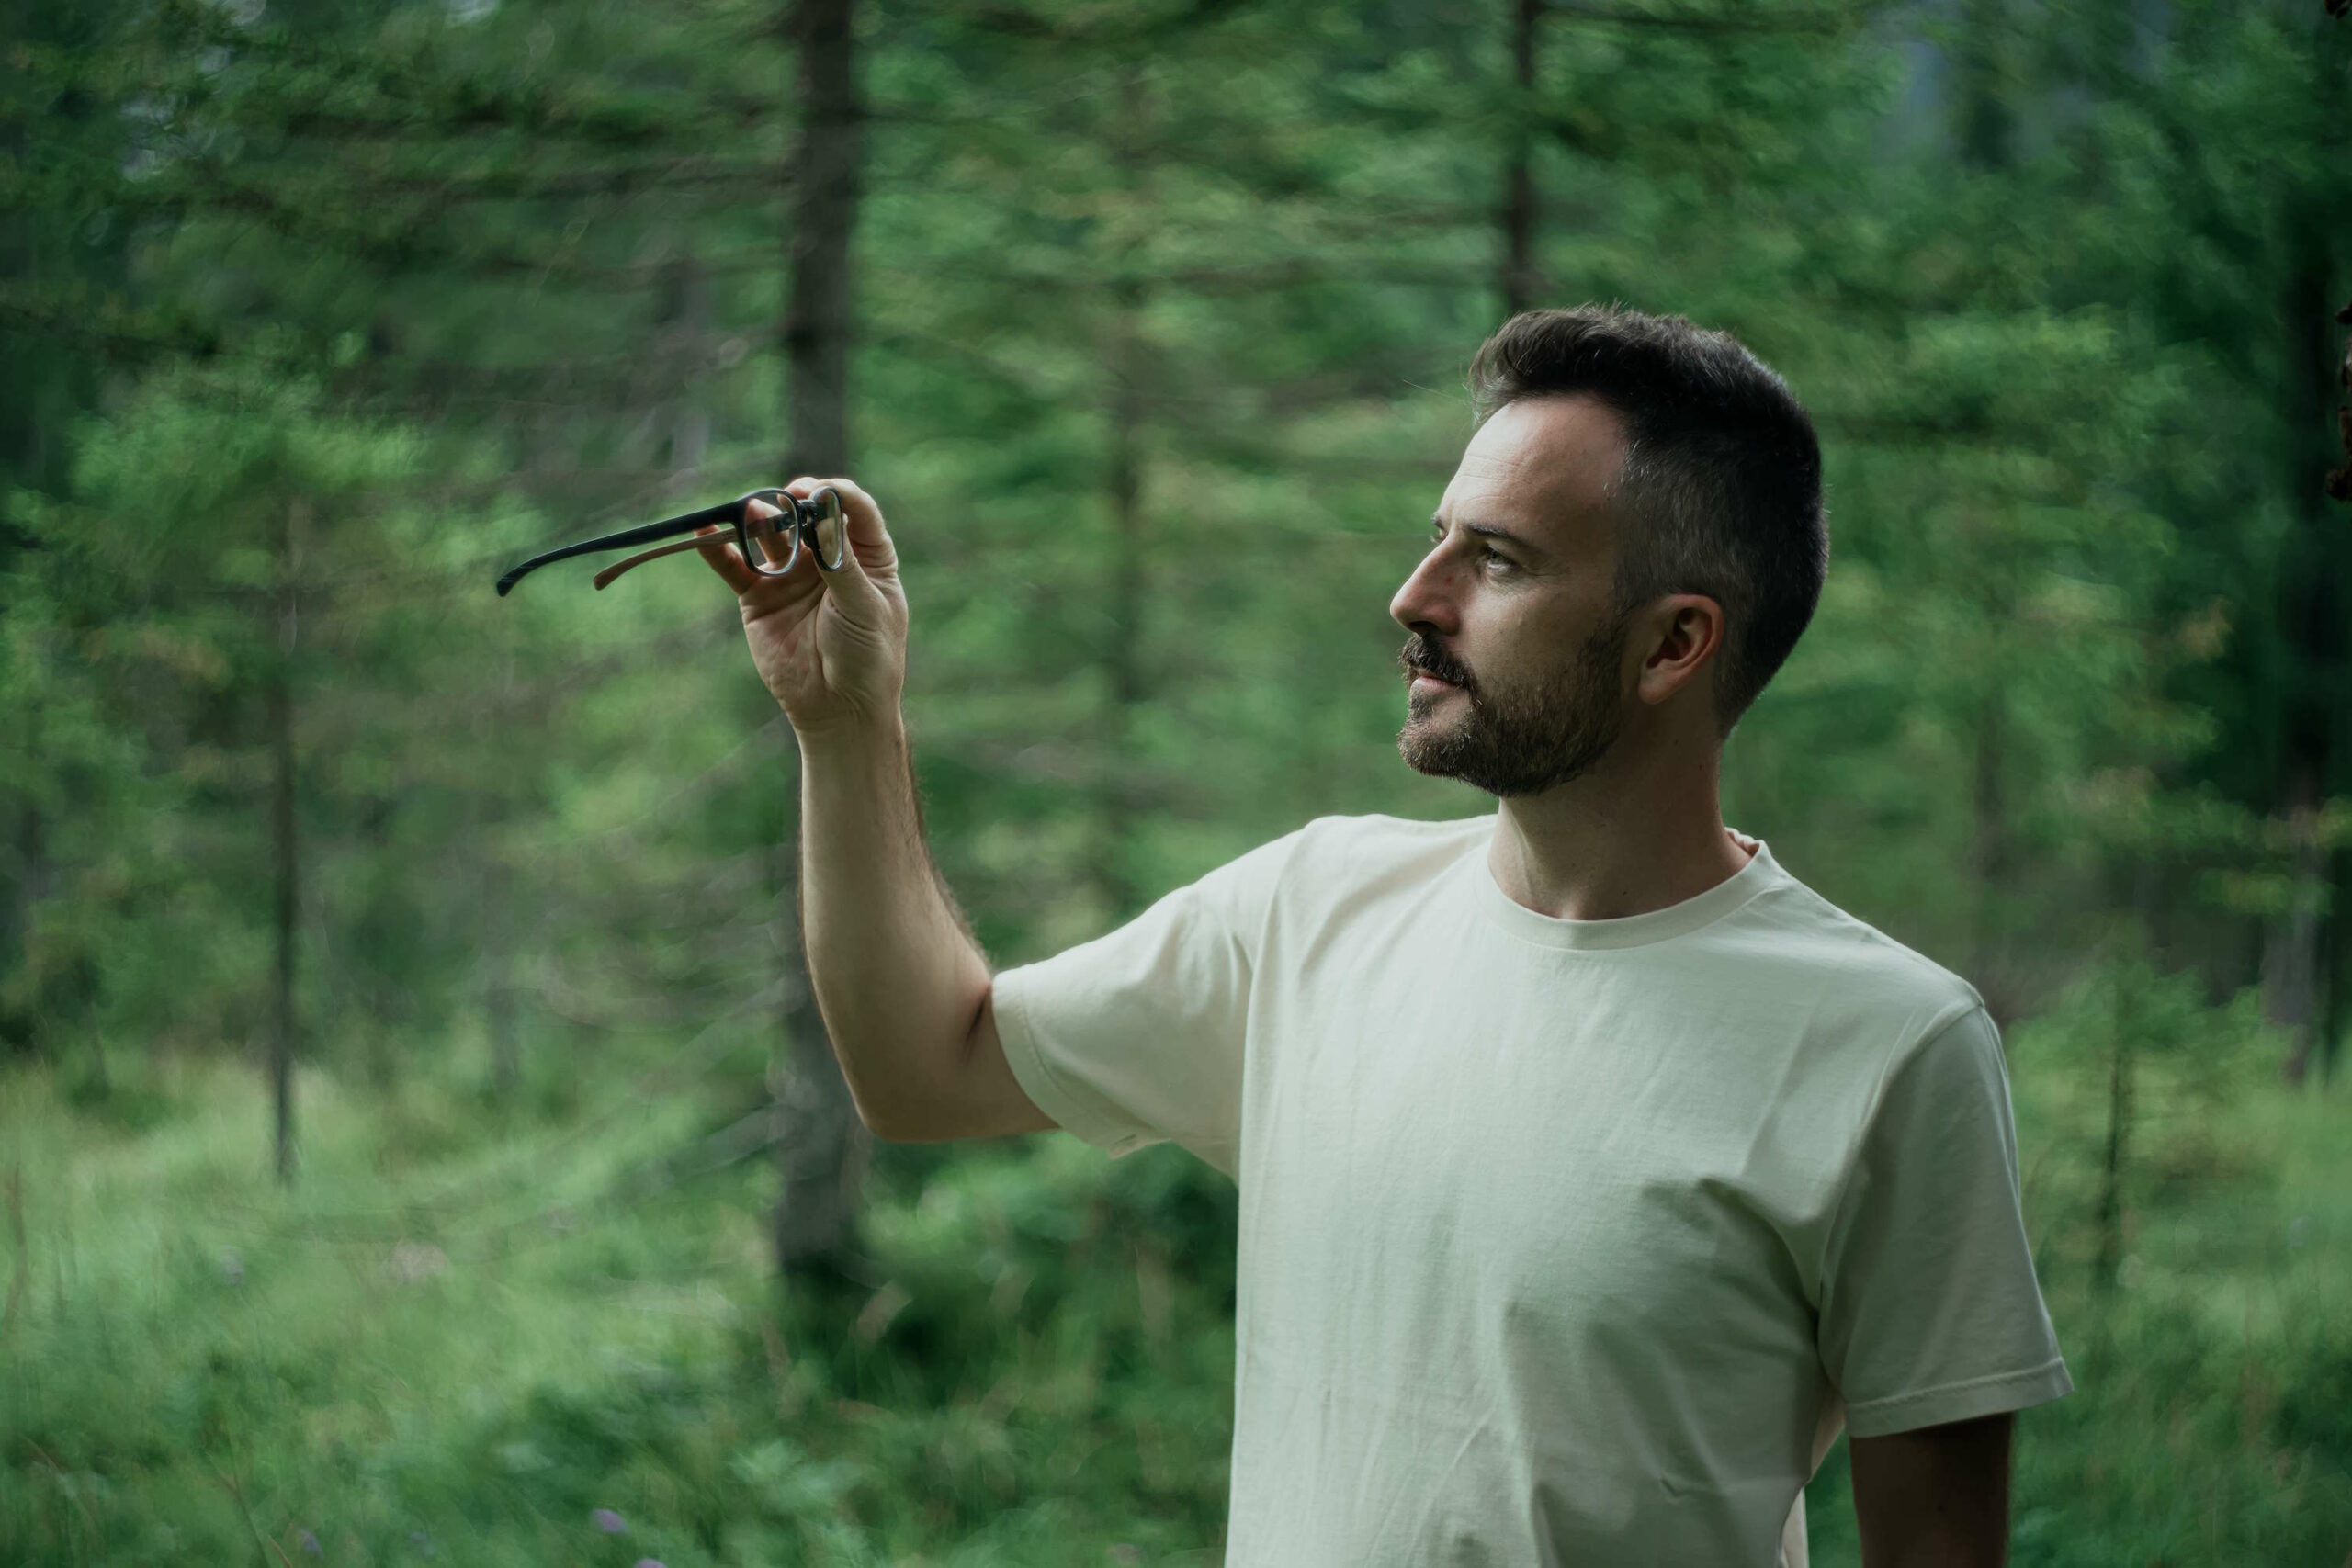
797 519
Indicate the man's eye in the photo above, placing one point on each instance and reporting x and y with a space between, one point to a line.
1487 554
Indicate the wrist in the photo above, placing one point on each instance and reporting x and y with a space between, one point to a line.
853 737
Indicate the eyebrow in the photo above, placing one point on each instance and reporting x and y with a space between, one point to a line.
1488 531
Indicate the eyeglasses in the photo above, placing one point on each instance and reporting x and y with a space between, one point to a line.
771 545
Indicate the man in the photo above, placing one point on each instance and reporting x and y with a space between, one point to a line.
1593 1171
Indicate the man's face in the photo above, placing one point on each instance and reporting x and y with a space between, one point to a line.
1511 609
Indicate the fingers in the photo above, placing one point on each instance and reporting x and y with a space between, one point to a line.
718 548
869 545
867 535
869 554
869 539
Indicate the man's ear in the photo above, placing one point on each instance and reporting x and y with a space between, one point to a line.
1682 632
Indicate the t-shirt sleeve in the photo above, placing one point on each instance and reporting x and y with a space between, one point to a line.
1930 1308
1136 1037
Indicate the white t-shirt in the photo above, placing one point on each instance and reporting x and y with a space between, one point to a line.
1561 1241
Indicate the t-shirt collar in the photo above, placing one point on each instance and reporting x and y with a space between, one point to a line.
1629 930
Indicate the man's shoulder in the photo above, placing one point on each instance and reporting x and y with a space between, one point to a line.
1842 956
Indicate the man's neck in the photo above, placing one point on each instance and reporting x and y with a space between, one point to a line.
1621 840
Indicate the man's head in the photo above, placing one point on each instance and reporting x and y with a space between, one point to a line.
1635 535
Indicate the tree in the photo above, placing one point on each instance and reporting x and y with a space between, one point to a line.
206 529
821 1148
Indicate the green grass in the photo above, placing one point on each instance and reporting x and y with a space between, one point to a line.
465 1331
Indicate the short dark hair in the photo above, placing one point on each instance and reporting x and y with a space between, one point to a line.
1721 476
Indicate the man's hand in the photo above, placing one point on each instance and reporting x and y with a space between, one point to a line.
1936 1498
832 646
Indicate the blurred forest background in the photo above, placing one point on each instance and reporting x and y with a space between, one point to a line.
418 1140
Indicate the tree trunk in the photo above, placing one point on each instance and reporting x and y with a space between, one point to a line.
505 1046
1987 85
686 318
2292 964
2311 611
285 846
1985 132
1126 369
24 882
505 1049
821 1147
2332 1000
2109 1266
17 901
1988 864
1123 652
825 183
1521 286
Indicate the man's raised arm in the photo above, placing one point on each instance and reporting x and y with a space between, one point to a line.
903 989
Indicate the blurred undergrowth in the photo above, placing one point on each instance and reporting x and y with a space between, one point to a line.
467 1331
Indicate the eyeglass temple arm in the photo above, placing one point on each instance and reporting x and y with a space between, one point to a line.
723 513
605 578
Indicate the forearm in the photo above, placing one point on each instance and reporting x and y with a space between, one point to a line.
1935 1496
897 978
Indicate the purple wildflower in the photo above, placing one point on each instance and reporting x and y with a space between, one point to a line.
307 1543
609 1522
649 1563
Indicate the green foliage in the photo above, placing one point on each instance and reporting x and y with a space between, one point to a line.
1039 1370
1036 1368
315 316
497 276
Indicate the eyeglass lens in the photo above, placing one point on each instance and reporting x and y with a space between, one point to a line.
771 542
831 530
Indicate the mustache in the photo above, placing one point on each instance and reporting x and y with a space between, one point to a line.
1428 659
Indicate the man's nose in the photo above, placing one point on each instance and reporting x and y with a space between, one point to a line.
1427 598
